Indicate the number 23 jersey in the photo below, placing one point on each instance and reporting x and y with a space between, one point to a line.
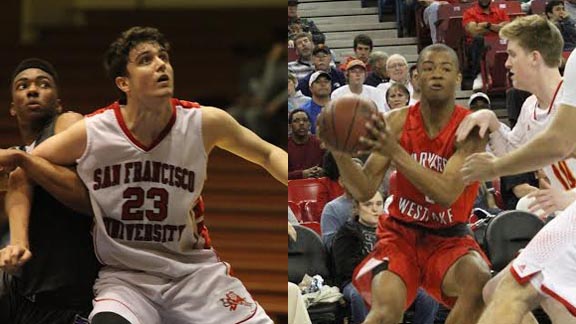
146 199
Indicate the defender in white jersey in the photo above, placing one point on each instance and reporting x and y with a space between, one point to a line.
143 161
541 78
548 262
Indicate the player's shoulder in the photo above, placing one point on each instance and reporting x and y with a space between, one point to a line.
214 116
397 117
66 119
186 104
103 110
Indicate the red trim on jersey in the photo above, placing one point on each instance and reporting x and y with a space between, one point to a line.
100 110
133 139
569 176
185 104
559 177
252 315
521 280
571 308
119 302
551 102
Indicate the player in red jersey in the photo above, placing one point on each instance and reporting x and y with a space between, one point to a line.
424 242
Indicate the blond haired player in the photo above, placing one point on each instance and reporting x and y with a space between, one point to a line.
545 271
534 49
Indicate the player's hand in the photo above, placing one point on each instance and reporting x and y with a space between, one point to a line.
9 160
479 167
483 118
13 257
380 138
313 172
550 200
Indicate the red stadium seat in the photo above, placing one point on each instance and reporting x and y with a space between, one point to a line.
498 194
538 7
311 195
494 73
296 210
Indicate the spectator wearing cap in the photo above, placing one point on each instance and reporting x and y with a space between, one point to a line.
295 97
320 87
556 13
305 153
379 74
363 46
479 100
356 74
322 60
297 24
397 68
304 46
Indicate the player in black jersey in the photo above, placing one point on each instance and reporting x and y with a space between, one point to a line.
49 266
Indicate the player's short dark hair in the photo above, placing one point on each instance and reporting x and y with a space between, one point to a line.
364 40
116 57
35 63
438 47
297 110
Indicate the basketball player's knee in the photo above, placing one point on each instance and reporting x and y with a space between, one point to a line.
489 288
109 318
474 276
387 314
516 295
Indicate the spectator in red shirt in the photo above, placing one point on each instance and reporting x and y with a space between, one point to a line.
304 151
482 20
362 48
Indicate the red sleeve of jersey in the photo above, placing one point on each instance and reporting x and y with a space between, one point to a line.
185 104
101 110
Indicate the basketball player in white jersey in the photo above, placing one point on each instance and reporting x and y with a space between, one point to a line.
545 271
534 67
143 160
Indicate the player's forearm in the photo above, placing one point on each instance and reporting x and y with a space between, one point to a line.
17 206
361 186
432 184
277 164
523 189
61 182
545 149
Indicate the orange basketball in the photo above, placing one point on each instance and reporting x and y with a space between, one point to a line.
343 122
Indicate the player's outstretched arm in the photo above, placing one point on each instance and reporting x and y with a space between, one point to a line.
51 166
220 129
